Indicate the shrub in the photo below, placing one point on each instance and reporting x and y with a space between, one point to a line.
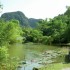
7 63
3 54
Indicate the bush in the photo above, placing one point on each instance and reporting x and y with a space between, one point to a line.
7 63
47 40
3 54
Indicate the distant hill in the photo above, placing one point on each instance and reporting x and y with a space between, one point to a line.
18 15
33 22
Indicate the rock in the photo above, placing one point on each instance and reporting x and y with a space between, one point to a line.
19 66
67 58
23 62
35 68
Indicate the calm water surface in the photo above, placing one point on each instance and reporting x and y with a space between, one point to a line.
29 52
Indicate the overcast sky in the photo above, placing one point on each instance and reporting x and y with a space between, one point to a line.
36 8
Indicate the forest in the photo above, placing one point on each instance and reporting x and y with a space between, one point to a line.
19 29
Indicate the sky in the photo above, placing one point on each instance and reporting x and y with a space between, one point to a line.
36 8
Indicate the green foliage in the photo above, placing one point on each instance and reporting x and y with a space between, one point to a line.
3 54
32 35
54 31
67 11
47 40
3 33
54 28
15 32
7 63
10 32
67 32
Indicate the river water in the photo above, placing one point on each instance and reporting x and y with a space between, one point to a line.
29 52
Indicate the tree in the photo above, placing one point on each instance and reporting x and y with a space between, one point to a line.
32 35
3 54
54 28
15 31
10 32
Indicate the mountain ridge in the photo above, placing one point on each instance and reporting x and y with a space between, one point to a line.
18 15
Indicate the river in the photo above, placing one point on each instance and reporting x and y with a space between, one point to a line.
31 53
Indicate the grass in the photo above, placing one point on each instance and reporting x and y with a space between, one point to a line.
55 66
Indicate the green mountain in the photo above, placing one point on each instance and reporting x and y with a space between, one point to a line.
33 22
24 21
16 15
